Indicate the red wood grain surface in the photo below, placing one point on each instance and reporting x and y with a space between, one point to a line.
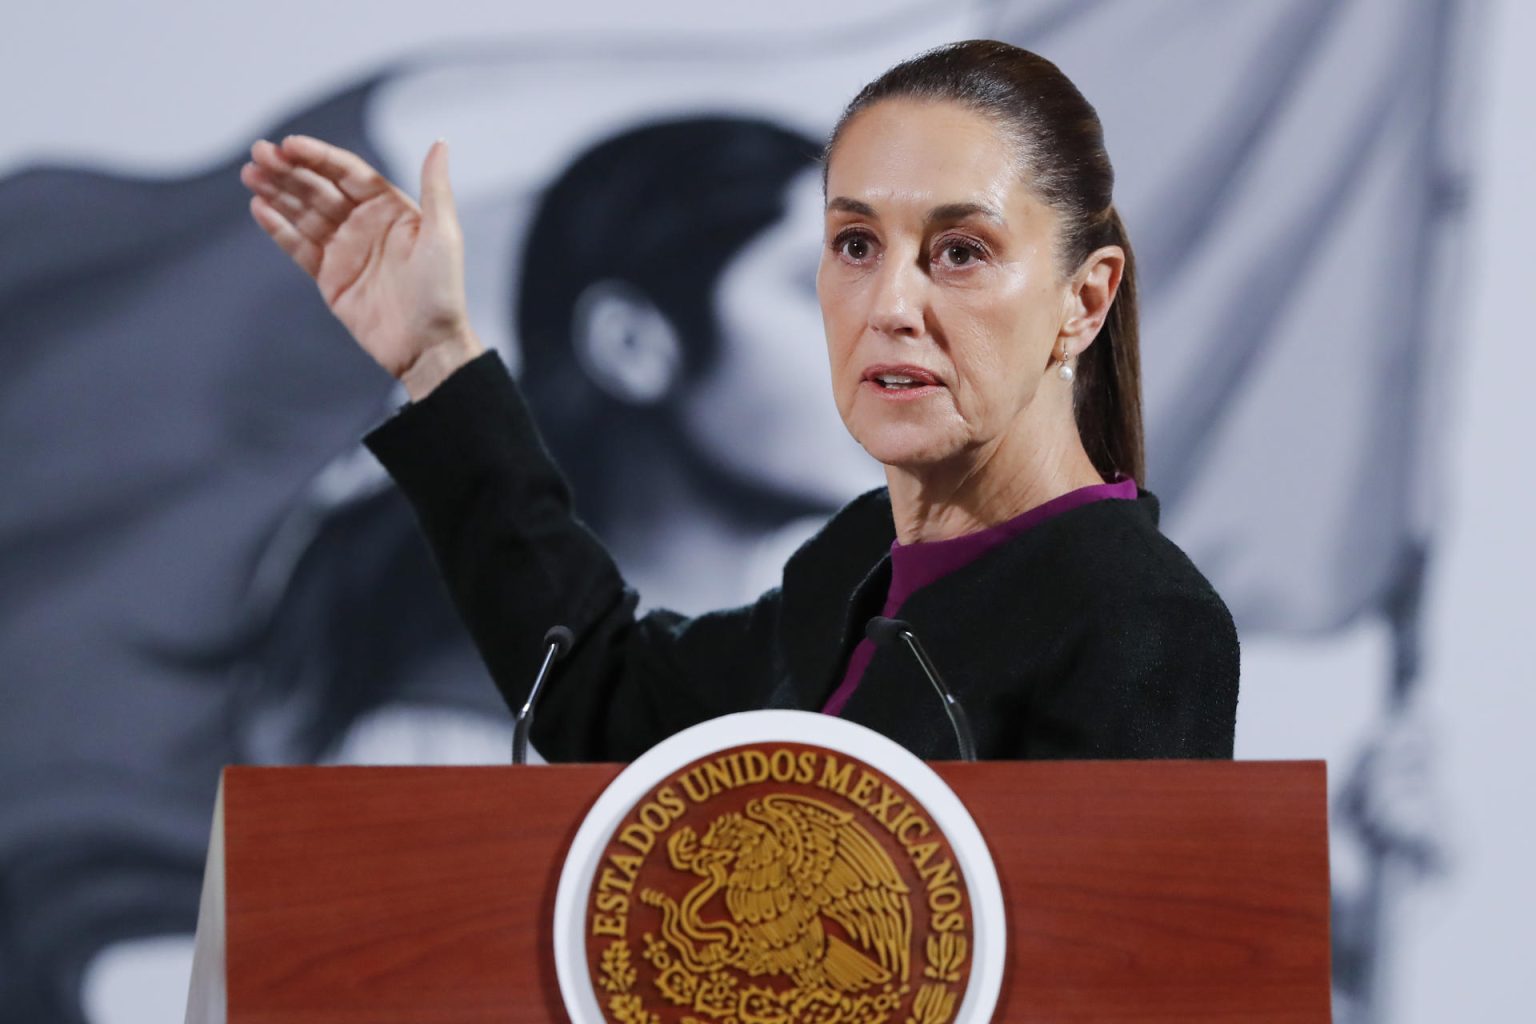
1135 891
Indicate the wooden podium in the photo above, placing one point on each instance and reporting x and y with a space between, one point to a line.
1136 891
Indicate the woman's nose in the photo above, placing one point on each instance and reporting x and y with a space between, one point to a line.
896 307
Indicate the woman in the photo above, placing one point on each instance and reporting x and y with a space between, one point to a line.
969 289
643 351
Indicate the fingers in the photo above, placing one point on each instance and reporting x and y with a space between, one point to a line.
437 209
348 172
296 202
318 192
288 238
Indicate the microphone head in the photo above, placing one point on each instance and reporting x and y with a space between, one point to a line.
560 639
884 631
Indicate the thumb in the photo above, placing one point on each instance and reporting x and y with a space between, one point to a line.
437 210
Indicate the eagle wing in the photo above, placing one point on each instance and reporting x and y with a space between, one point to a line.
820 861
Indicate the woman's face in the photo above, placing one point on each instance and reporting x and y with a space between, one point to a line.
939 293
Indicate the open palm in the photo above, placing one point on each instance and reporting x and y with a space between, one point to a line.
391 271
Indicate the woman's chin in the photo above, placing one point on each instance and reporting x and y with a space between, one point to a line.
909 445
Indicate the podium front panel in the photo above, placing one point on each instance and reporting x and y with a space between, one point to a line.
1135 891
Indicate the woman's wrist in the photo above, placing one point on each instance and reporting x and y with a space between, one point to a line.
439 362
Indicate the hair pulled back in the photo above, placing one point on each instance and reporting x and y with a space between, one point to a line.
1059 143
661 208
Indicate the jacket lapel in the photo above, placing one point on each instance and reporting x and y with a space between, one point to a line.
832 585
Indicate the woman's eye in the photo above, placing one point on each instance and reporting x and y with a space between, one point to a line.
958 254
855 247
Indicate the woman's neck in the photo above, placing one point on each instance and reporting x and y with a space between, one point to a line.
987 486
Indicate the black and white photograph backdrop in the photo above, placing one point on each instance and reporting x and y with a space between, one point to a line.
200 565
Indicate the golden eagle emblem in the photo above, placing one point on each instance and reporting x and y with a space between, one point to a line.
787 865
783 884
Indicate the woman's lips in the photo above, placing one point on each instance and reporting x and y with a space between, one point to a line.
901 382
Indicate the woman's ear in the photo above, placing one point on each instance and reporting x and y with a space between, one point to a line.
625 344
1092 292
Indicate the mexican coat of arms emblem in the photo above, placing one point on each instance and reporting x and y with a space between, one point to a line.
778 883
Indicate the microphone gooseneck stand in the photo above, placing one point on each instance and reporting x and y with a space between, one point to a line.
886 632
558 641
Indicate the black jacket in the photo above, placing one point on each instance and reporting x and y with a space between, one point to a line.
1090 635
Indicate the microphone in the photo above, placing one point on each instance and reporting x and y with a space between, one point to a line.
886 632
559 641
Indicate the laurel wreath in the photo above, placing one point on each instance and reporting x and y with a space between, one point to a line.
935 1003
618 977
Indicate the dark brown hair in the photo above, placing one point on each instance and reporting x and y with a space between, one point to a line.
1060 145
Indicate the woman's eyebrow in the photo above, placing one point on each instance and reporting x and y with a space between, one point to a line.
950 212
846 205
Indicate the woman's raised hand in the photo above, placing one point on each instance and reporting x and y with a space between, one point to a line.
392 272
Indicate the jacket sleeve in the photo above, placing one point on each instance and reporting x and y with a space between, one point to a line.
498 516
1153 677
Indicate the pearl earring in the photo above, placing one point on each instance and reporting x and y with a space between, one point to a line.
1065 371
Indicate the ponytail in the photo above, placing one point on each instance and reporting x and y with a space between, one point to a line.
1106 395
